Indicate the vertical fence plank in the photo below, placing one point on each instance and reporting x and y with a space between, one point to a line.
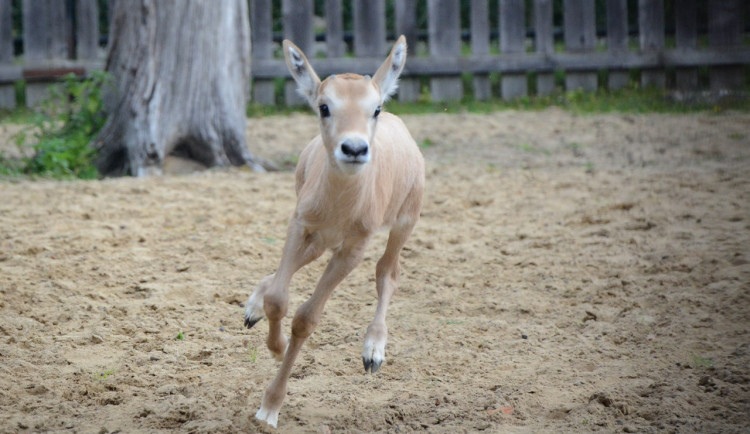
87 30
298 28
617 40
45 34
686 38
544 42
369 28
261 18
725 29
480 45
512 38
444 29
651 29
45 30
334 29
406 24
7 91
580 37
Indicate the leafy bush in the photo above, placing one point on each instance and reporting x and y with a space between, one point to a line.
61 130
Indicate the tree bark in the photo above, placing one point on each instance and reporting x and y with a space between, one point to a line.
181 81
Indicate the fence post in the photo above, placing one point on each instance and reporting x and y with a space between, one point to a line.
7 91
686 38
617 40
651 29
45 34
579 19
297 18
334 29
480 45
369 28
725 31
544 43
262 40
444 29
406 24
512 38
87 30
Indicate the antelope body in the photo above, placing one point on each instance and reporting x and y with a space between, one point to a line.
363 172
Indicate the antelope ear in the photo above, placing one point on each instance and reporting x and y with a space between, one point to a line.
306 78
387 75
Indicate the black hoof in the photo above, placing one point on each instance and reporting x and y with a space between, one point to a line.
249 323
370 365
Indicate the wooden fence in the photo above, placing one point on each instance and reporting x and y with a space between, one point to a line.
524 49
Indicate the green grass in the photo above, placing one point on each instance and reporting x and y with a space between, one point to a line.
252 353
705 362
634 100
103 375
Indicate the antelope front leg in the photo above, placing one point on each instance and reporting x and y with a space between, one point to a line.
305 320
386 276
271 297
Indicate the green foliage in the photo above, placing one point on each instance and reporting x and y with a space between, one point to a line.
60 131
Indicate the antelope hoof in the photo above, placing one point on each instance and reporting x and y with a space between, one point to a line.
371 365
253 310
373 355
268 416
249 323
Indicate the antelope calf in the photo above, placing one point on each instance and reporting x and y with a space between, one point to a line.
363 172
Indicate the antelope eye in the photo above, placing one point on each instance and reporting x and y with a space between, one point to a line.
324 112
377 112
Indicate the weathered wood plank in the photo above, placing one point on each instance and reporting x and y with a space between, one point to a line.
6 32
260 22
725 29
46 28
87 29
369 28
580 37
686 37
544 42
406 24
480 45
444 29
512 38
617 40
451 66
297 18
335 46
651 28
262 39
7 91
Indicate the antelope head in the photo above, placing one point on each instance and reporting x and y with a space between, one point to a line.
348 105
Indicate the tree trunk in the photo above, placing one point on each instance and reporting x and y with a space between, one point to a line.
181 81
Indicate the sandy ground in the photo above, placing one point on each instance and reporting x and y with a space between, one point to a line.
569 274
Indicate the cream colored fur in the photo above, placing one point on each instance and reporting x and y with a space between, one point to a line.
363 172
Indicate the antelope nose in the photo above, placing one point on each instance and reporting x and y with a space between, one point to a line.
354 148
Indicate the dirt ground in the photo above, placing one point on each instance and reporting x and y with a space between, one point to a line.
569 274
